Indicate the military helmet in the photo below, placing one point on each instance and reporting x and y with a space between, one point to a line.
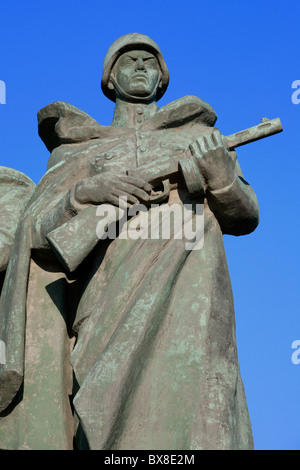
129 42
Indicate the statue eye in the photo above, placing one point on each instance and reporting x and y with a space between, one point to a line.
127 61
150 61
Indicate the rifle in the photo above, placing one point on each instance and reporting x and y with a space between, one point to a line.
166 168
62 240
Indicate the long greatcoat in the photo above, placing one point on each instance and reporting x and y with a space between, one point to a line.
155 361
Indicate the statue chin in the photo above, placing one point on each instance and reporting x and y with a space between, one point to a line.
137 93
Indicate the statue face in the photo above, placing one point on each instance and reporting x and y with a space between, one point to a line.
137 73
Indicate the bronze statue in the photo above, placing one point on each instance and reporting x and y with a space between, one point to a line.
146 326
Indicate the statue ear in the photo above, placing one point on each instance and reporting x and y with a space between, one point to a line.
160 78
160 82
110 85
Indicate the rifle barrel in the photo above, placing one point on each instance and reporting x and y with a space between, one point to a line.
266 128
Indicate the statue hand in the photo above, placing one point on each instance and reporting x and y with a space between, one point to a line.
107 187
216 164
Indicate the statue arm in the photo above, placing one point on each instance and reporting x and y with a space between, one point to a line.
88 193
235 206
229 196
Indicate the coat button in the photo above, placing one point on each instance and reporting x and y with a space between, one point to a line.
164 144
176 147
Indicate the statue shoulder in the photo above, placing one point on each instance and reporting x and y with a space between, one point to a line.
10 177
61 122
186 111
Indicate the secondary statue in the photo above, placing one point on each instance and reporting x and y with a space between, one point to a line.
127 342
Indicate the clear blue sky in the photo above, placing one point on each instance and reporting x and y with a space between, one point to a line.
240 57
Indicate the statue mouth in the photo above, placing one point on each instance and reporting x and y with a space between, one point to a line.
139 76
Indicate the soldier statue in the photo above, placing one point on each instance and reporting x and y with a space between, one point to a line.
127 343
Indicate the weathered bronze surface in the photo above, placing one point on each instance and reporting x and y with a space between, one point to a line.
139 334
15 191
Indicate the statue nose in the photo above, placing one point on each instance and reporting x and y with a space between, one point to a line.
140 65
